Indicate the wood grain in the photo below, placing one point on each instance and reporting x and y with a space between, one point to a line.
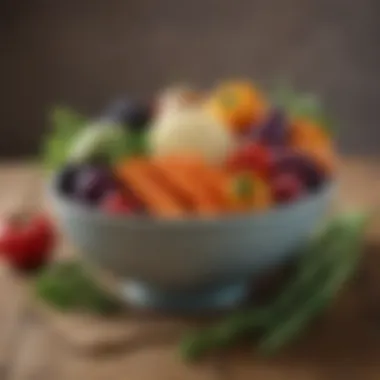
343 344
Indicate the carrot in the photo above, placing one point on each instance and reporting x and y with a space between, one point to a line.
137 174
216 181
213 179
182 178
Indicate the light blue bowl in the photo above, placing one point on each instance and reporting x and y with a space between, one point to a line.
190 264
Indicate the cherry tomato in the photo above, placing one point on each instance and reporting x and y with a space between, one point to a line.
252 157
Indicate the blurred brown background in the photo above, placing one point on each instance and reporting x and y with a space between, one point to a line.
82 53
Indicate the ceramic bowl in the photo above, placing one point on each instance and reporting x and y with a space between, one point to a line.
193 263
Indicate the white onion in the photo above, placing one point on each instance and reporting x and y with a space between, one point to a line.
191 130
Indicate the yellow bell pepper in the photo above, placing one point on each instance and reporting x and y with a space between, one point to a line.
238 105
248 192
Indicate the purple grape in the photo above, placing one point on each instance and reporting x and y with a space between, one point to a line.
135 115
87 183
274 131
301 165
66 179
92 183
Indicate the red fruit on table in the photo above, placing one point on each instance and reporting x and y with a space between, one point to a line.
27 245
117 203
252 157
287 187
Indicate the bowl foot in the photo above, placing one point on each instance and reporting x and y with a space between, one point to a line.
215 297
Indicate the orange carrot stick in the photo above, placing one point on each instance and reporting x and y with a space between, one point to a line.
213 179
216 181
183 179
137 174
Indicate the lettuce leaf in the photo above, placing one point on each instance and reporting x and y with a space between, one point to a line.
65 125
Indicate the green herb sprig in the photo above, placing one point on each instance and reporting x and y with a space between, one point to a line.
64 126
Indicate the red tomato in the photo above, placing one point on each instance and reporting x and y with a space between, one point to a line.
40 235
10 240
27 245
252 157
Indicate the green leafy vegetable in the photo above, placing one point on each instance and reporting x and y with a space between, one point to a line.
65 125
112 142
68 286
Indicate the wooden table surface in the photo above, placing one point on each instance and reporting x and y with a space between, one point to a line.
344 345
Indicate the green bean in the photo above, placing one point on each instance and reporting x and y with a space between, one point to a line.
344 255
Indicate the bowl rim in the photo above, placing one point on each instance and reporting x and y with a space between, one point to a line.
326 190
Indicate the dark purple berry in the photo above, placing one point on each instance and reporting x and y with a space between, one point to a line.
274 130
92 183
287 187
304 167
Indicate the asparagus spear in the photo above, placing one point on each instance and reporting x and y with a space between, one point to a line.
312 264
344 253
310 272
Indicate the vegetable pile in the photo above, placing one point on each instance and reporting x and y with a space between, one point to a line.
193 153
